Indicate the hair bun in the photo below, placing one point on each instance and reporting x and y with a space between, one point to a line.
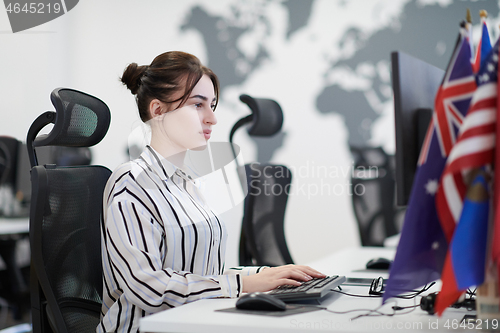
132 76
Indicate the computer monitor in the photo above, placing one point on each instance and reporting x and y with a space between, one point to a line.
415 84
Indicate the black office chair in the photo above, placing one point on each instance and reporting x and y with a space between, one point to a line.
65 218
262 240
14 289
373 195
8 158
266 118
9 206
262 236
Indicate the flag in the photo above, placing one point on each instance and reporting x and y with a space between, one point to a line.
422 247
495 251
473 151
466 259
484 45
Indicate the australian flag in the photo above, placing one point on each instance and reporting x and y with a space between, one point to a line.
423 245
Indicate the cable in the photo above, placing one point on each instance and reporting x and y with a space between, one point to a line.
349 311
375 312
398 308
354 295
471 292
413 294
395 308
416 292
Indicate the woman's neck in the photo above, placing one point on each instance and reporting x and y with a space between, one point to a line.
173 156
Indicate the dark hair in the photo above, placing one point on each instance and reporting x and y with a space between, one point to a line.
169 73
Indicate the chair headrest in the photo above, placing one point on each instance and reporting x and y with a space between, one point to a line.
81 120
267 116
369 156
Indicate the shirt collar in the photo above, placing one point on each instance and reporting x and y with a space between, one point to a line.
160 165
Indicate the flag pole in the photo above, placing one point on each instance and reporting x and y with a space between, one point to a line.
468 28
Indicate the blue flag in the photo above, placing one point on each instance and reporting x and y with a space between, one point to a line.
468 248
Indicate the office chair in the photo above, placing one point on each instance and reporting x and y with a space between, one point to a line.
8 157
262 240
65 218
9 206
262 236
373 195
14 289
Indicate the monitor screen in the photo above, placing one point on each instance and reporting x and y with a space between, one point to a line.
415 84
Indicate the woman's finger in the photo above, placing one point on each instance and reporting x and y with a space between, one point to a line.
307 270
291 282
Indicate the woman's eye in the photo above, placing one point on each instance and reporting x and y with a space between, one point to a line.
198 105
212 107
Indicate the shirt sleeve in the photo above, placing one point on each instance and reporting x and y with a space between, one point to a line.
134 241
245 270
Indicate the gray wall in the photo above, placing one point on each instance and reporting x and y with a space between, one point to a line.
325 61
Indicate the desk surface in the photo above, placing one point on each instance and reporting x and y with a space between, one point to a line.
14 225
201 316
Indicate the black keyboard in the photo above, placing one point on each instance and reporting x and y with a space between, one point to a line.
312 289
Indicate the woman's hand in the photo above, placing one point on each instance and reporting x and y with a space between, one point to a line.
273 277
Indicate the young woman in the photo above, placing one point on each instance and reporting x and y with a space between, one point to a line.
162 245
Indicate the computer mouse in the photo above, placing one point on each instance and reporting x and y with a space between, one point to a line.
260 301
379 263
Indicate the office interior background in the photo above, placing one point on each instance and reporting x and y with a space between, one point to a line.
326 62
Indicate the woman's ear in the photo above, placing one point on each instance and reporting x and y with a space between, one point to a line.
155 108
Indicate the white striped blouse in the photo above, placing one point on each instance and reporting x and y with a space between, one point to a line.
162 246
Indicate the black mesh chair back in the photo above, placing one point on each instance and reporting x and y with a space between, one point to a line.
65 218
262 236
80 120
373 195
66 250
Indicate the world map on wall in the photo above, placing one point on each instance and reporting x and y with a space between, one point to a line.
419 31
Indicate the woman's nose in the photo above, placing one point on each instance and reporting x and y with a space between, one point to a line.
210 117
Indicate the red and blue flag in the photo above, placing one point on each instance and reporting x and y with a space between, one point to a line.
483 47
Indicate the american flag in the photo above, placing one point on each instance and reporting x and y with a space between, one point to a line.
423 246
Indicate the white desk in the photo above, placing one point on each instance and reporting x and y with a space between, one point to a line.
14 225
201 316
16 229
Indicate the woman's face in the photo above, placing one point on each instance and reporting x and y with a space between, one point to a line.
190 126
